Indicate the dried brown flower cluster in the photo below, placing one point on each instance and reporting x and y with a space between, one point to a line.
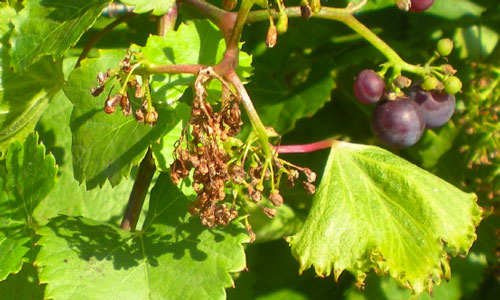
201 148
206 156
146 113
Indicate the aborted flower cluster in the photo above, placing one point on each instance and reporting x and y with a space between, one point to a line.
202 151
220 161
146 113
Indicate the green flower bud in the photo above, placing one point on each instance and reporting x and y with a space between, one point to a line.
430 83
282 25
444 47
316 6
452 85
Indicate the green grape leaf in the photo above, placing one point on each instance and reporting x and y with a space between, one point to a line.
23 98
159 7
285 223
106 146
445 9
455 9
197 42
30 175
105 204
23 285
174 257
50 27
374 210
285 90
295 105
475 41
163 150
7 13
467 276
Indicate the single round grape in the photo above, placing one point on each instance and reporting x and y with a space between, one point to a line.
430 83
444 47
368 87
420 5
437 107
452 85
398 123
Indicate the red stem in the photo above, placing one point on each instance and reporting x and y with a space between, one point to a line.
100 34
305 148
172 69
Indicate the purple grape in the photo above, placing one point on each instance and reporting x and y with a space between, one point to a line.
420 5
437 107
398 123
368 87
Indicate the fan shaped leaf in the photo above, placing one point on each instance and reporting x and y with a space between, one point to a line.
30 175
374 210
174 257
50 27
23 97
104 204
159 7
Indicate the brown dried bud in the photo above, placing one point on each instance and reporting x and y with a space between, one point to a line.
275 198
97 90
233 213
109 108
309 187
125 105
139 92
250 233
402 81
448 69
110 104
272 36
311 176
139 115
290 181
256 195
403 4
270 212
237 174
102 78
132 82
193 210
126 68
151 117
145 105
305 11
229 4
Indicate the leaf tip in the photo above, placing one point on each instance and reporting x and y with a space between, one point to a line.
336 274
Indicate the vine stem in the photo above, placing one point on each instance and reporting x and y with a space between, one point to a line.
100 34
167 21
251 112
140 189
150 68
345 16
229 21
305 148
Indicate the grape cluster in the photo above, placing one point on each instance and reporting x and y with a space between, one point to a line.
400 122
420 5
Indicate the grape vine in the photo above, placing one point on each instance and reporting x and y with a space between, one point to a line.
186 121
